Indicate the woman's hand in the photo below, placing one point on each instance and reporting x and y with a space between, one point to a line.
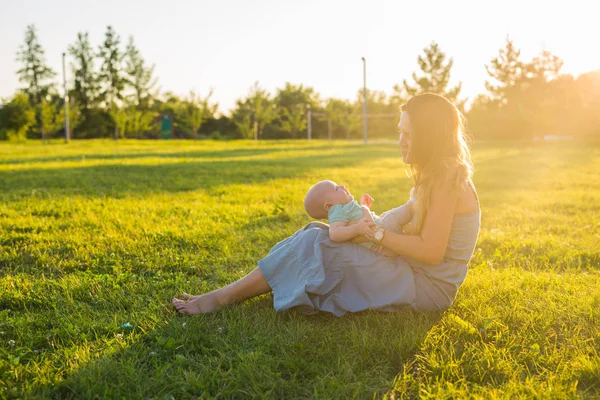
366 227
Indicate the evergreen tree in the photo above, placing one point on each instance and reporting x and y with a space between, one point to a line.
545 66
35 74
535 95
506 69
111 77
139 76
435 77
84 115
85 90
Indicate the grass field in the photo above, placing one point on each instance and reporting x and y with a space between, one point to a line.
97 234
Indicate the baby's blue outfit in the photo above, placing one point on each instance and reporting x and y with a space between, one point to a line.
350 211
311 273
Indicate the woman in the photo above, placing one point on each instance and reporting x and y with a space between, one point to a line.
309 272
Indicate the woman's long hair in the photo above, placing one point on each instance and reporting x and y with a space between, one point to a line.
438 149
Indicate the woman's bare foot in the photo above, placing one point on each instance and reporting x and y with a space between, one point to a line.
252 285
190 297
203 304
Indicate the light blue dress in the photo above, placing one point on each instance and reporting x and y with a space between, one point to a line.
311 273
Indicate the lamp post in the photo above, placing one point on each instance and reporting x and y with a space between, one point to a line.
66 100
364 100
308 121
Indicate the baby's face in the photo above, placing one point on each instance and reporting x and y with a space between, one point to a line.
337 194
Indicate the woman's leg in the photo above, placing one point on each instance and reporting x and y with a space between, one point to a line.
251 285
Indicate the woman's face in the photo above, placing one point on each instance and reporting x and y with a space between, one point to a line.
405 140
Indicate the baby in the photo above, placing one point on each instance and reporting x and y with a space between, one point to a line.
348 219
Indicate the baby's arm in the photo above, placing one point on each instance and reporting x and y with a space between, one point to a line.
366 200
341 231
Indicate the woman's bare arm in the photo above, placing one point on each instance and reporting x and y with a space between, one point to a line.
430 246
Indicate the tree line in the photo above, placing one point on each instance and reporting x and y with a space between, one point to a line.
113 93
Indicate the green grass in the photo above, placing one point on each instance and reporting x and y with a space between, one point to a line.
97 234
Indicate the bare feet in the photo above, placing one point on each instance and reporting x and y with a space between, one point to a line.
203 304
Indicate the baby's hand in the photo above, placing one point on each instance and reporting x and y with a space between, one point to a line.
366 227
366 200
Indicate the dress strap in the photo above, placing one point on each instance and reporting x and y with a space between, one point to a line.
472 186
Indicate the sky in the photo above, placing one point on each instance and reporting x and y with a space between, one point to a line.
227 45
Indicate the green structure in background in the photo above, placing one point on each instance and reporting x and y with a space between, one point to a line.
166 128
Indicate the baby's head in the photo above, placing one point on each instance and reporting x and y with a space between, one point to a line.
322 196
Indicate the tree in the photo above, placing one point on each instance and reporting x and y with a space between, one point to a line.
35 73
75 116
343 117
16 117
506 69
52 115
259 106
397 98
84 96
383 113
293 119
527 99
291 102
111 74
587 88
121 117
85 80
141 121
435 77
139 76
195 109
483 117
537 101
244 125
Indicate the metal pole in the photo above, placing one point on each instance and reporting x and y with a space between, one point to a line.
364 100
66 100
309 124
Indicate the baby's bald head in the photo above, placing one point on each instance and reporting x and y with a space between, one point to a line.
314 201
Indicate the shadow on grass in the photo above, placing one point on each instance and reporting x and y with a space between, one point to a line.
118 180
249 351
126 154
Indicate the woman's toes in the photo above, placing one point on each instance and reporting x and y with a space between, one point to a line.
187 296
